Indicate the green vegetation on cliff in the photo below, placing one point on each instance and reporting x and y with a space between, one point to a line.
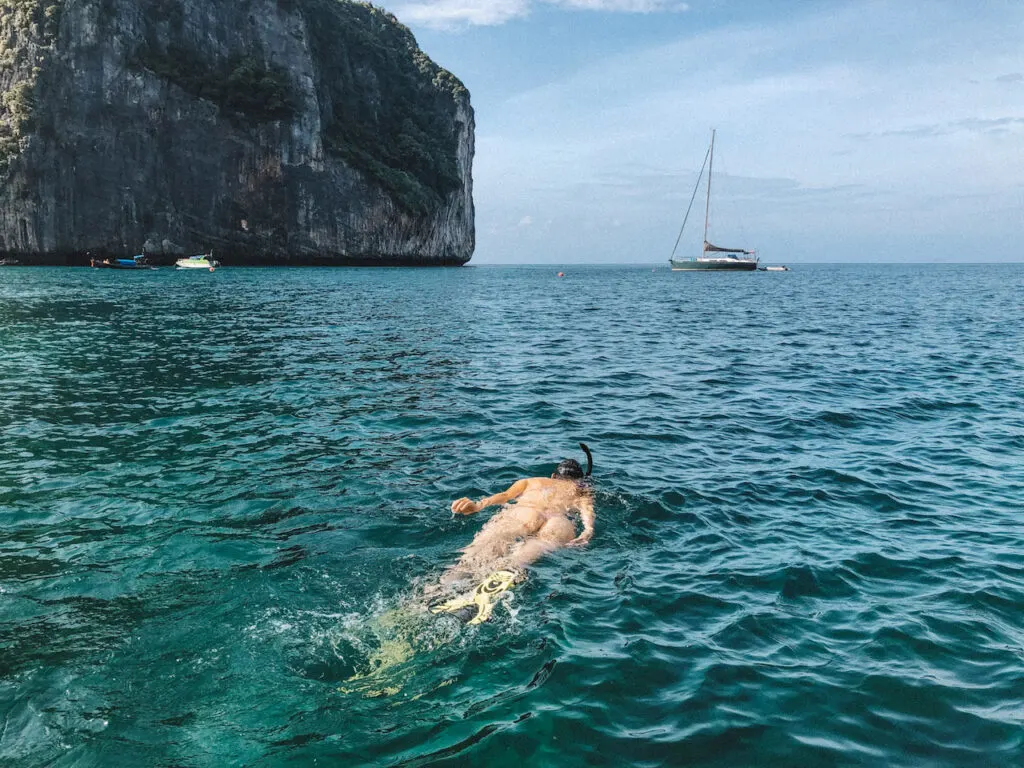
240 83
24 25
390 111
41 17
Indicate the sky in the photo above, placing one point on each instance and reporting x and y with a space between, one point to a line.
846 131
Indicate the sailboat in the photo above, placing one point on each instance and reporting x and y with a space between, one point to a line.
721 259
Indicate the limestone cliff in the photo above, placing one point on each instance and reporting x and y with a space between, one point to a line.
271 131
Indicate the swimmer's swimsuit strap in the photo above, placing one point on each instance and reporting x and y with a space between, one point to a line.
476 607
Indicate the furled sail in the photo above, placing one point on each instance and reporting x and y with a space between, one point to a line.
709 248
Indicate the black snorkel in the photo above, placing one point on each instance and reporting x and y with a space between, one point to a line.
590 459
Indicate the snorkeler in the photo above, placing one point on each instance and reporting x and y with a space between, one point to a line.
537 518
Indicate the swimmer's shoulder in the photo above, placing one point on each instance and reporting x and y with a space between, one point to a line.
532 485
550 483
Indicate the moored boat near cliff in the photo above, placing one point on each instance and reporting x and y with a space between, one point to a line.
203 261
138 262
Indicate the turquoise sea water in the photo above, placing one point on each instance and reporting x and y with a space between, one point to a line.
809 549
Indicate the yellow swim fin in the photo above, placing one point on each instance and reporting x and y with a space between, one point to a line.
476 607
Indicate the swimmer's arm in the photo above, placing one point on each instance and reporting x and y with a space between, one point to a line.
587 516
468 507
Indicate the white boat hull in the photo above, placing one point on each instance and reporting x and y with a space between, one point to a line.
196 264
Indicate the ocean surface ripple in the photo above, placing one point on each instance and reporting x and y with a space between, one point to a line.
218 490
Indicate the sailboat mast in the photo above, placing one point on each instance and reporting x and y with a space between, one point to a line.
707 204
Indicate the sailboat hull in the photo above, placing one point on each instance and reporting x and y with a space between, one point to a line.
714 265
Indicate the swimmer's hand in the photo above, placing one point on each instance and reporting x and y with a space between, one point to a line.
465 507
583 539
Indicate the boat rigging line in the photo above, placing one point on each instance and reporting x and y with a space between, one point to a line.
690 206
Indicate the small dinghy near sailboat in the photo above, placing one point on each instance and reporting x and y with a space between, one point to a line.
722 259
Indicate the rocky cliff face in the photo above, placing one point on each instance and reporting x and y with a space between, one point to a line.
271 131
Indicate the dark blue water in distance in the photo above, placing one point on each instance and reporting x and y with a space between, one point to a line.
810 516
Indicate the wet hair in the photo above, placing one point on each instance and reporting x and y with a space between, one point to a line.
570 469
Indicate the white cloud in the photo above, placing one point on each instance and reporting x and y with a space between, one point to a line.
447 13
627 6
526 221
481 13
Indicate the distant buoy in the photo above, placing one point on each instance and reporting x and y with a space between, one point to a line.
561 274
211 269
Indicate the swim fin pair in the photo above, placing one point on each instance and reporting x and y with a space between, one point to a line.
476 607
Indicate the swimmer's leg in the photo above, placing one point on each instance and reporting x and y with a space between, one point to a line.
554 534
530 551
476 607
